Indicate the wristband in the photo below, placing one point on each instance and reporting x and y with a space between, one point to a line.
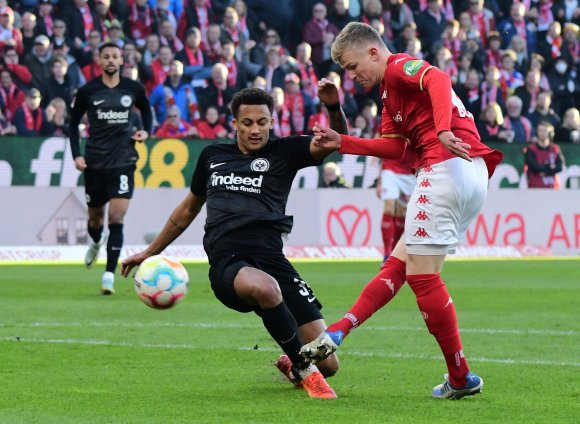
333 108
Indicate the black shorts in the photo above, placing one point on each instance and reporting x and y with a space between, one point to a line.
297 295
102 185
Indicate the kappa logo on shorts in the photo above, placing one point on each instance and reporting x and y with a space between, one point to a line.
421 232
422 216
422 200
260 165
428 169
425 183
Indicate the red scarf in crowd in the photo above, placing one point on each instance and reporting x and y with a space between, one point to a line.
488 94
140 21
88 23
521 30
194 58
175 44
295 104
192 104
32 123
307 74
48 24
232 72
492 129
493 58
282 126
9 96
203 19
556 46
319 117
545 16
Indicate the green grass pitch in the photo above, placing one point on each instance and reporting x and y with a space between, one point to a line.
69 355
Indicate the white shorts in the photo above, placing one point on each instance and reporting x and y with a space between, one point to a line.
447 198
393 184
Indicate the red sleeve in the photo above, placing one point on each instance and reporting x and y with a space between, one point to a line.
379 147
162 131
438 85
22 72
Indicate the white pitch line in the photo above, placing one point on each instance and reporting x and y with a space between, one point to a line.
392 355
528 331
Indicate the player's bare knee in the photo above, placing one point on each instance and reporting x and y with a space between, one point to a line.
329 366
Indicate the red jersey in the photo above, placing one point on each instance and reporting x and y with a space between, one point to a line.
409 113
405 165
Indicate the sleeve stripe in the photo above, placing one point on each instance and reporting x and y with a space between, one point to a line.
422 75
394 136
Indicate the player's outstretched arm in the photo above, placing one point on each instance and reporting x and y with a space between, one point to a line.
328 94
181 217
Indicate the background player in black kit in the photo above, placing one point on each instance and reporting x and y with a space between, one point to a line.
245 187
110 156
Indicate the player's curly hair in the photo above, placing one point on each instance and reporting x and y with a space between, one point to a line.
251 96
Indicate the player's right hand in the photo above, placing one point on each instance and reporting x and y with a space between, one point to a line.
80 163
455 145
326 138
129 263
328 92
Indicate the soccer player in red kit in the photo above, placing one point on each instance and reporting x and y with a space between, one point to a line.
453 168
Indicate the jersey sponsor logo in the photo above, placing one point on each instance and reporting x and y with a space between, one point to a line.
98 102
126 100
113 117
260 165
215 165
412 67
236 183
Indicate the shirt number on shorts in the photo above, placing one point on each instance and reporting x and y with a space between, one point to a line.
123 184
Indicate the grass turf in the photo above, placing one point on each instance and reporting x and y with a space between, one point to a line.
69 355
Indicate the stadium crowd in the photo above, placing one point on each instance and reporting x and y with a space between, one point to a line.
513 64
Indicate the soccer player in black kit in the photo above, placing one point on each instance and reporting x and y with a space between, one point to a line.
110 156
245 187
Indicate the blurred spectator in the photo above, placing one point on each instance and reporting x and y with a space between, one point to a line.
430 24
490 126
6 127
245 25
168 36
413 48
494 51
320 33
30 119
568 11
332 176
93 70
510 78
195 61
231 30
259 82
160 67
360 128
217 93
467 30
29 32
57 115
339 14
519 126
236 72
151 52
379 26
569 131
299 104
39 60
210 128
444 61
409 32
451 39
103 17
270 40
84 56
58 85
74 72
543 111
397 15
518 45
491 88
347 101
529 91
464 66
541 13
175 91
59 35
370 112
543 159
482 20
20 73
141 21
9 36
470 93
115 33
212 47
196 13
550 46
305 69
44 17
537 63
518 24
272 71
134 58
175 127
170 7
79 22
320 116
280 115
571 44
11 95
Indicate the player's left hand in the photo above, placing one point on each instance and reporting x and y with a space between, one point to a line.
140 136
127 264
455 145
326 138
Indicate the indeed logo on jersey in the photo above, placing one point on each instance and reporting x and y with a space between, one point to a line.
113 117
236 183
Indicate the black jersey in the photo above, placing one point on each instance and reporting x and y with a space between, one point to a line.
246 195
110 114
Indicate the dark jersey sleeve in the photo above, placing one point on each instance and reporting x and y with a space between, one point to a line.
199 177
297 151
78 110
142 103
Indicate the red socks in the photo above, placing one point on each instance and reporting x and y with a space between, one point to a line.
374 296
388 231
438 311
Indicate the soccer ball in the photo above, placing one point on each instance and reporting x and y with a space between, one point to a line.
160 282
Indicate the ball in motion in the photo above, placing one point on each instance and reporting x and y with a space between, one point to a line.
160 282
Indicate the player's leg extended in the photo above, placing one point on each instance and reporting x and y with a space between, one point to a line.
376 294
260 289
388 226
95 230
117 209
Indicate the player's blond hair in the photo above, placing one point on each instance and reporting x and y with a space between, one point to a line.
352 35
